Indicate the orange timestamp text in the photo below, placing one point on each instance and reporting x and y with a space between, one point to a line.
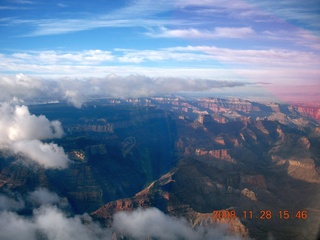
262 214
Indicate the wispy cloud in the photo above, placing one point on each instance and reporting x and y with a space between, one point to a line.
199 61
8 8
295 11
138 13
144 13
86 57
264 58
44 27
218 32
213 4
62 5
297 37
139 56
258 57
304 14
21 1
227 10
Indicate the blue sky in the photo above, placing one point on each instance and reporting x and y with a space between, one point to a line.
274 45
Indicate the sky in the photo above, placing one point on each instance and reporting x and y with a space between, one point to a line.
266 47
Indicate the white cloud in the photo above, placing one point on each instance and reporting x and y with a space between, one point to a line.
48 155
18 87
42 196
8 8
86 57
55 225
231 32
139 86
151 222
301 13
139 56
21 1
199 61
62 5
218 32
16 123
279 58
21 131
297 37
77 91
44 27
49 223
213 3
231 9
139 13
13 226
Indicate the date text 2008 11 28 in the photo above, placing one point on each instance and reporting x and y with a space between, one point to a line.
262 214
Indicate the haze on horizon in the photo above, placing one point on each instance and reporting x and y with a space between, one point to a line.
245 47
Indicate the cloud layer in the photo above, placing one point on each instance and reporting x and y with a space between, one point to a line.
21 133
77 91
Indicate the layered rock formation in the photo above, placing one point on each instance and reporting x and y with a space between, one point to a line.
187 158
261 178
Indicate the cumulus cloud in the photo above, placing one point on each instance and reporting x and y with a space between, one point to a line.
21 132
17 123
77 91
142 224
151 222
42 196
49 155
55 225
50 223
22 87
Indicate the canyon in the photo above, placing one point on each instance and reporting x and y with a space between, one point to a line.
186 157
